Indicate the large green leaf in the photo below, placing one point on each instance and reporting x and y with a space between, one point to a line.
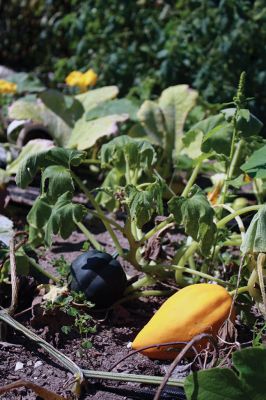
137 153
224 384
143 203
164 121
214 384
32 148
196 214
26 82
255 237
63 217
37 219
30 166
47 218
175 103
251 364
256 164
66 107
152 120
59 181
111 107
106 196
216 134
94 97
86 133
36 111
25 110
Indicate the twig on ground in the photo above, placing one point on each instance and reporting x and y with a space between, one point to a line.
39 390
181 355
14 279
155 345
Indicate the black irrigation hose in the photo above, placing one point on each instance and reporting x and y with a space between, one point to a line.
169 393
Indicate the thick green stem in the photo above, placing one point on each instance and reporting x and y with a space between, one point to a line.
183 260
74 368
225 220
234 155
157 228
100 213
192 179
240 290
195 272
90 236
64 360
121 377
143 293
42 271
145 281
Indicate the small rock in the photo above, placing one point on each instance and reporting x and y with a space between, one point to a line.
19 365
37 364
29 363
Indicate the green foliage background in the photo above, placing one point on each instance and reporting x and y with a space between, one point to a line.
146 44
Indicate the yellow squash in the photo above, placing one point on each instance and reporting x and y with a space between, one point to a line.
195 309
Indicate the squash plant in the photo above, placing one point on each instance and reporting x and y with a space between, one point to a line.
134 184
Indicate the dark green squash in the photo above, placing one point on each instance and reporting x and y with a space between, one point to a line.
99 276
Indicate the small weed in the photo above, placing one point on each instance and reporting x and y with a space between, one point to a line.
62 266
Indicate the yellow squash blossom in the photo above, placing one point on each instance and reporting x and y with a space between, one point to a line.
82 80
7 87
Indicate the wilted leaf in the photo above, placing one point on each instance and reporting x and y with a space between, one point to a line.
54 156
54 292
142 204
59 181
196 214
63 217
105 197
86 133
47 218
32 148
137 153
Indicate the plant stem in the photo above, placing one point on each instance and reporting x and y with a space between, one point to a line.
38 268
143 293
240 290
99 211
90 236
157 228
116 376
145 281
192 179
75 369
234 159
195 272
64 360
223 221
